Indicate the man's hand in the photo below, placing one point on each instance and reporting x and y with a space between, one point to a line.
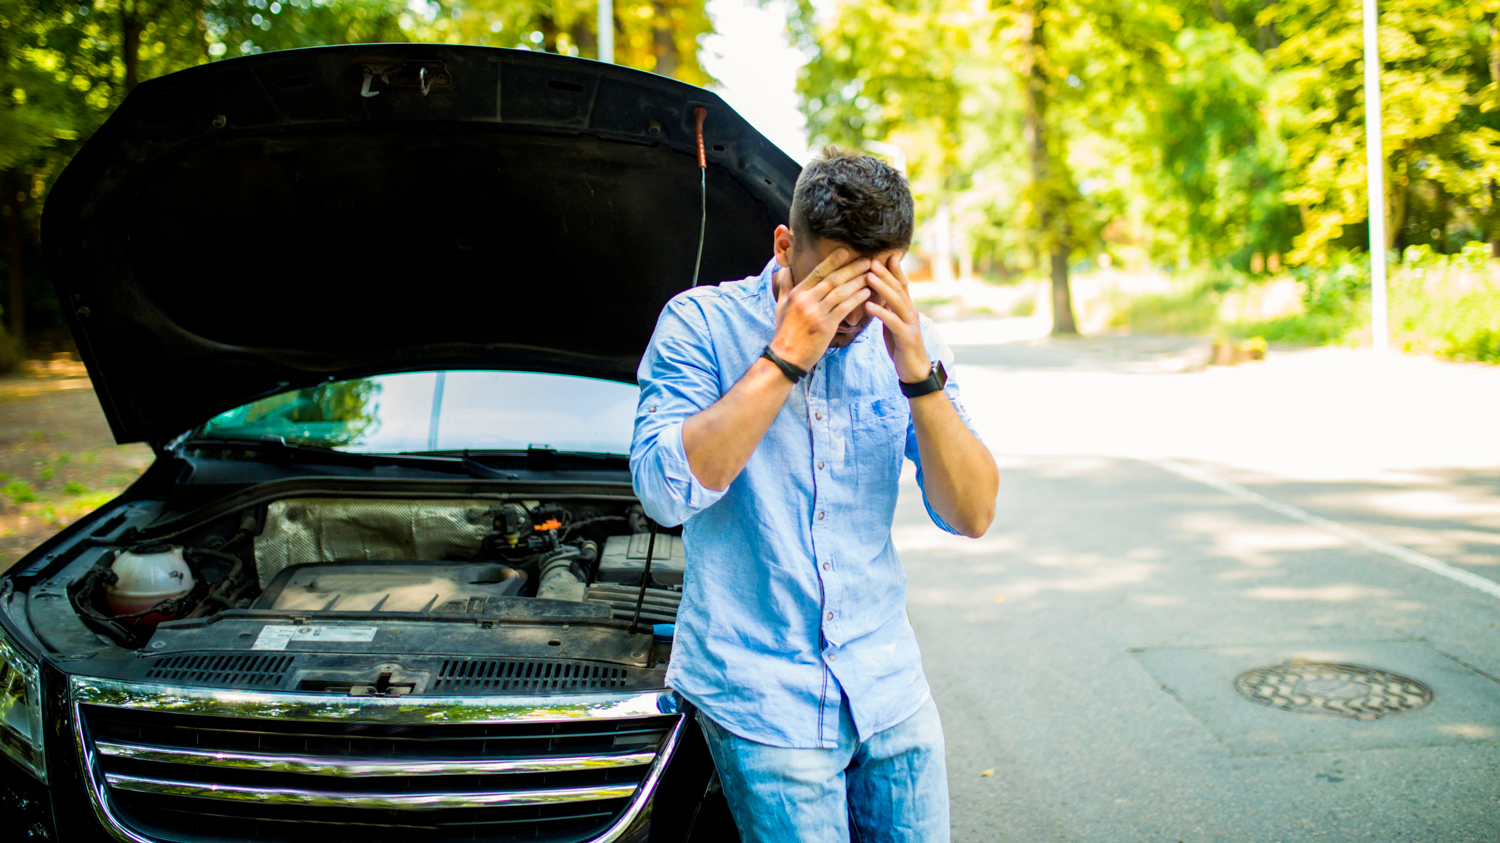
893 306
719 440
808 314
960 479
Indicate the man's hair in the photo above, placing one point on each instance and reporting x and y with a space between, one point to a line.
855 199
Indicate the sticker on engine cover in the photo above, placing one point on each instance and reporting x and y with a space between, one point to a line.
277 637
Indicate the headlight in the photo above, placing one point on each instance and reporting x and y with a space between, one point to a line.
21 709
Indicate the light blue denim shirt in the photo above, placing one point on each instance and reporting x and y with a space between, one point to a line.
793 589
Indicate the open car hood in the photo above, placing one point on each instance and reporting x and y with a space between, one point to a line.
265 223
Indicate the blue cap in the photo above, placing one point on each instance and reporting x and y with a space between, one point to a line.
663 632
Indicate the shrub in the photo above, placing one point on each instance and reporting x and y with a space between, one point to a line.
1193 311
1447 305
1444 305
19 492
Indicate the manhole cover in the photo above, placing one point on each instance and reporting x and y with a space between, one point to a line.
1347 690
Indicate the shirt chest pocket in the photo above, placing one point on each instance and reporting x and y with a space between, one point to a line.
878 436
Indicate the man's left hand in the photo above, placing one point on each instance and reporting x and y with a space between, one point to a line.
892 305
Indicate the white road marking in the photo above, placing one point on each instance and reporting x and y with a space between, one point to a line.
1395 551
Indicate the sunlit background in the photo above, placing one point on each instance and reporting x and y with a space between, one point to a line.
1181 181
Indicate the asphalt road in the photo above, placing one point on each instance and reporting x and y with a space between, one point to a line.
1163 529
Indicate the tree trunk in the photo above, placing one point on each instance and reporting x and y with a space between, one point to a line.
662 42
547 25
942 260
1400 193
15 224
131 26
1494 80
1219 14
1053 228
201 14
1062 295
1268 39
585 39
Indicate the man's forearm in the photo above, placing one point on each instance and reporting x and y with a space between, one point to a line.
958 472
720 439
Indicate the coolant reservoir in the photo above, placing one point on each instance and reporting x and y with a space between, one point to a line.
145 579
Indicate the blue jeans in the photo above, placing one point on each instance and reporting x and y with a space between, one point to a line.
892 787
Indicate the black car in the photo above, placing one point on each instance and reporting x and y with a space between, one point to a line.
378 311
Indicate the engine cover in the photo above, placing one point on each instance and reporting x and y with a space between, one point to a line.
391 587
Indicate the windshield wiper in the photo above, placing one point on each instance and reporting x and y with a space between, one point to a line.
294 452
538 459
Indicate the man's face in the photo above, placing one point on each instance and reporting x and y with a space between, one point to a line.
802 258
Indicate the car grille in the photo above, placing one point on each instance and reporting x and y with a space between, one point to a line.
228 670
503 676
173 776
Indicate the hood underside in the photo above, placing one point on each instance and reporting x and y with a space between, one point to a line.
265 223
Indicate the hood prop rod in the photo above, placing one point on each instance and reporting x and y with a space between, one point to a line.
699 113
640 599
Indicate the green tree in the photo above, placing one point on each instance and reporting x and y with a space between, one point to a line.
64 67
1441 63
1212 162
880 70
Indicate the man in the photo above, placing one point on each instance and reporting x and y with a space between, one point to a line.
773 424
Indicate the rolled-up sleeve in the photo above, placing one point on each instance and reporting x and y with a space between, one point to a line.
678 377
937 350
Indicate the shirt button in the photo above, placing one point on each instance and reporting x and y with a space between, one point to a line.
826 566
830 656
830 616
817 415
820 515
820 463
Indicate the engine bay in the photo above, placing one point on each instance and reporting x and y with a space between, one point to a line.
305 558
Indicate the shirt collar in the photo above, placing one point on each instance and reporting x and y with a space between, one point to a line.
767 286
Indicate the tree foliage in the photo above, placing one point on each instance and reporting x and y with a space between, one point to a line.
1441 131
1221 134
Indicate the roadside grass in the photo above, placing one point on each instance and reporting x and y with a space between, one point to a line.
46 493
1442 305
1190 311
1448 305
55 501
58 460
924 304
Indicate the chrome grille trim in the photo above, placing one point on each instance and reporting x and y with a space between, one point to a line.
360 768
400 710
385 710
405 801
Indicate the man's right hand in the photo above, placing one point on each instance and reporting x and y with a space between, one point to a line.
808 314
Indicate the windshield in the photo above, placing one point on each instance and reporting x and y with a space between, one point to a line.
443 411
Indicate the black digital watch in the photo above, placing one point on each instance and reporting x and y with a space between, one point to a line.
934 381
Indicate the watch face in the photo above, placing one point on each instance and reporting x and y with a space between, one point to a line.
934 382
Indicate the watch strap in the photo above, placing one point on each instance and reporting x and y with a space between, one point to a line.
935 380
793 372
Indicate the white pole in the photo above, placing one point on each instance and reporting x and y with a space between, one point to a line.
1375 173
606 24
